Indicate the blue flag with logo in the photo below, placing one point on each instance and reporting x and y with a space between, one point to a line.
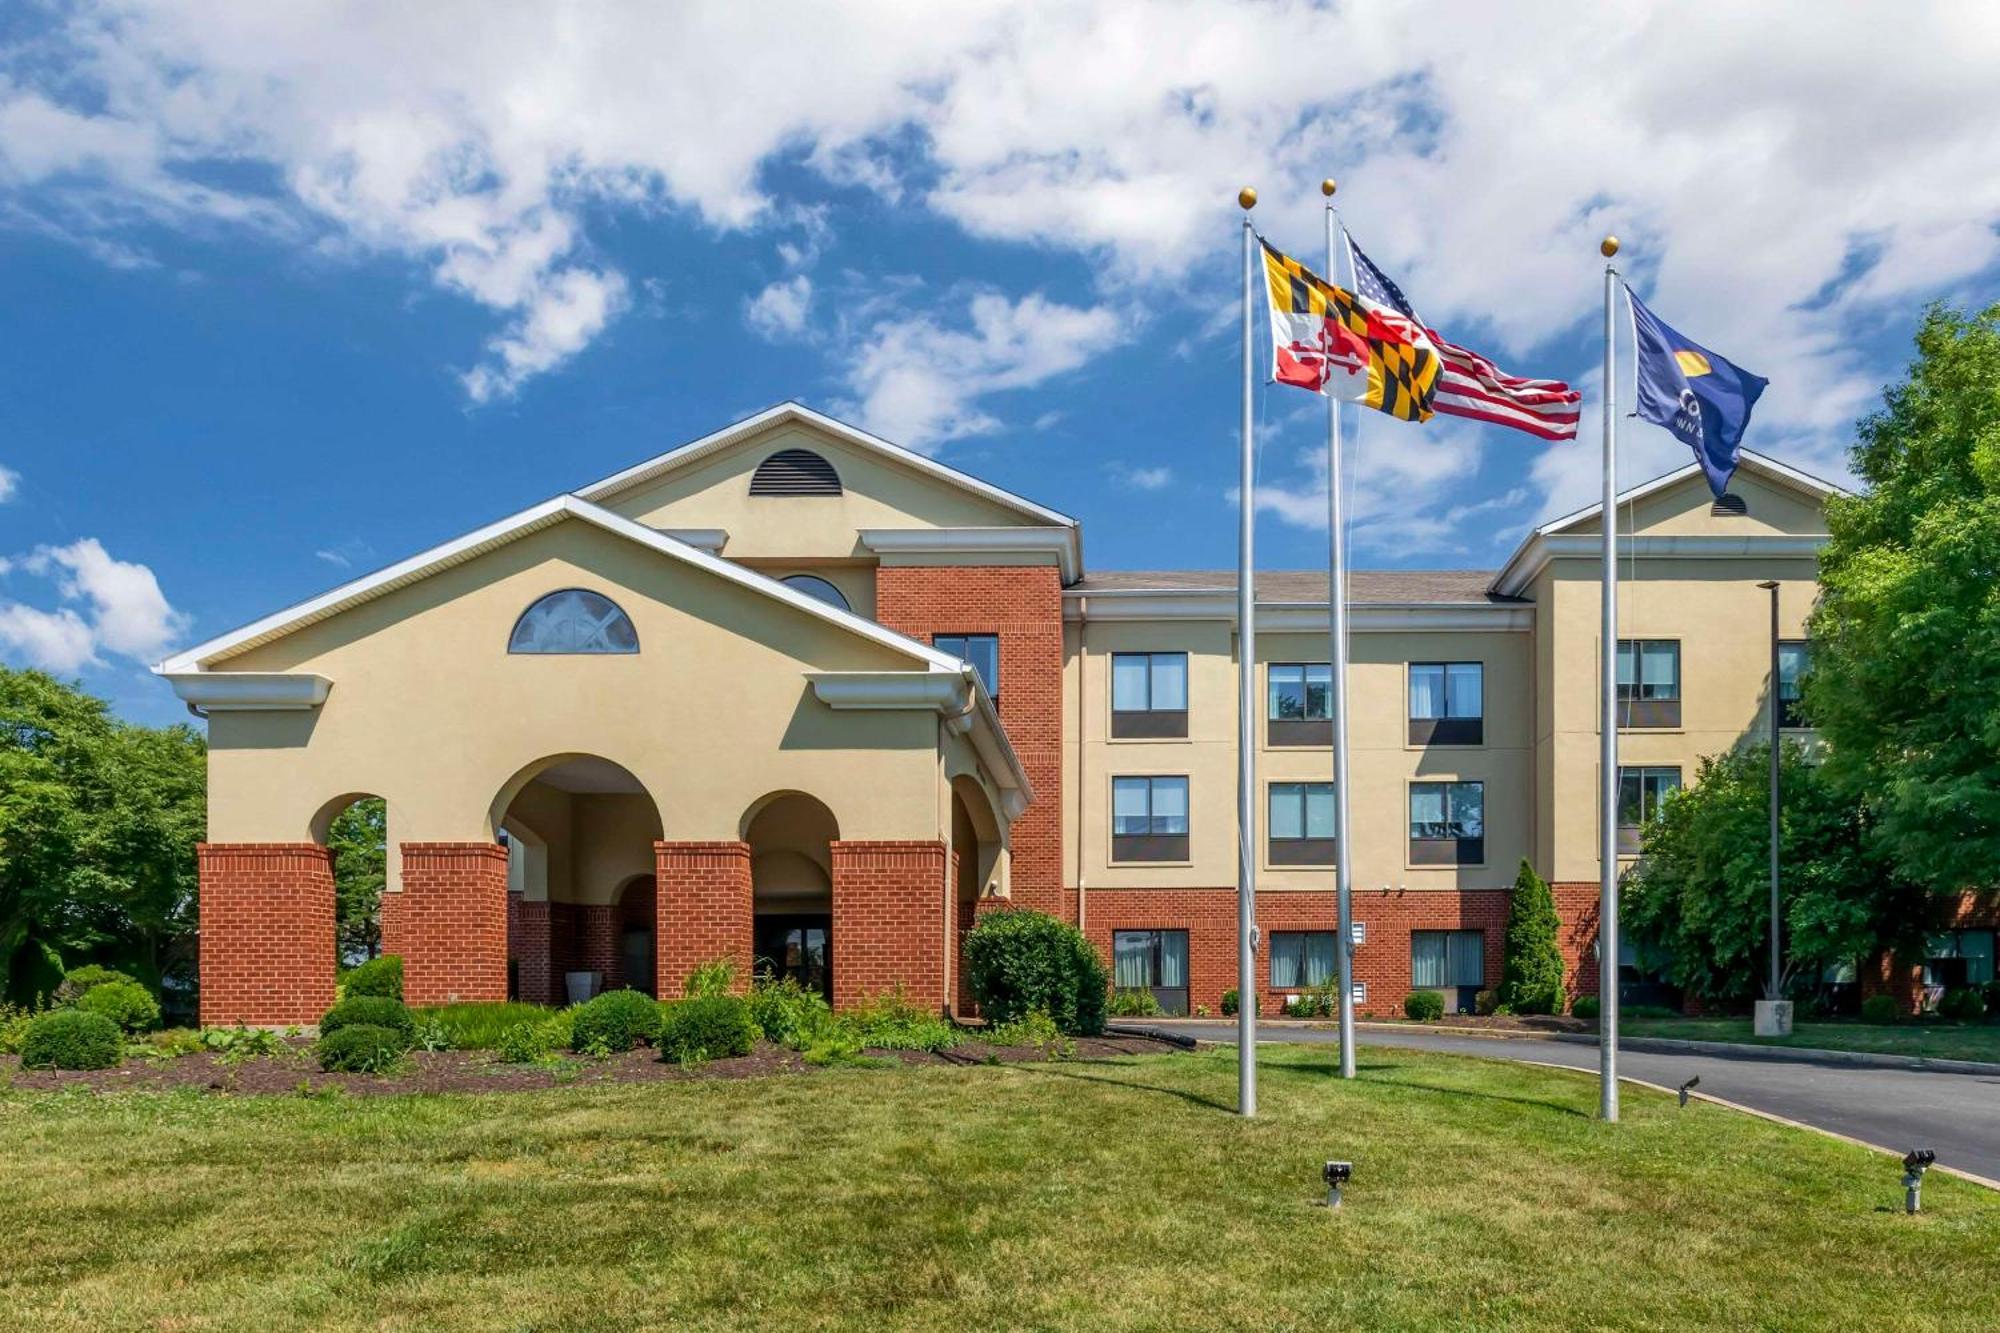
1702 398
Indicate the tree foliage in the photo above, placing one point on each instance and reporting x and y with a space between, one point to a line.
358 839
1701 890
1531 964
98 824
1906 636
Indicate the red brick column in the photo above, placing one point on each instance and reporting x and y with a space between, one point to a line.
1023 606
452 922
1576 908
528 944
702 910
266 933
889 921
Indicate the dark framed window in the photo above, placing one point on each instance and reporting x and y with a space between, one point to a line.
982 650
1959 958
1299 820
1794 658
1154 960
1301 959
1452 961
574 620
817 588
1447 703
1649 683
1299 703
1641 794
1149 695
1447 823
1149 819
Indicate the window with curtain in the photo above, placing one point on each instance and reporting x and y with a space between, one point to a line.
1642 792
1447 958
574 620
1649 669
1794 657
1149 695
1447 690
1300 692
1149 818
1154 960
1299 820
1301 959
982 650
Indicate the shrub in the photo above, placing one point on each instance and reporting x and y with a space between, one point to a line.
479 1025
891 1023
1962 1004
1019 960
378 976
789 1014
1426 1006
1488 1002
14 1022
717 977
1033 1028
170 1045
1230 1004
371 1011
126 1003
71 1039
238 1044
1586 1007
361 1048
615 1021
1881 1009
1131 1002
1531 962
79 982
529 1040
706 1027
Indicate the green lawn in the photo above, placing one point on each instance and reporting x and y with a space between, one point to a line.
1950 1041
1062 1196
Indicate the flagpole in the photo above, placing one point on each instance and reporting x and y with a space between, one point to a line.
1246 679
1607 830
1336 599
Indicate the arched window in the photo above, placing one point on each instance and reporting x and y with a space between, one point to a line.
814 586
795 472
574 621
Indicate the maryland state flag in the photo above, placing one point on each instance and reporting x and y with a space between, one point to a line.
1329 340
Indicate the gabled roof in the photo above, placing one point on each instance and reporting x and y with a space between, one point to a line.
1762 465
654 468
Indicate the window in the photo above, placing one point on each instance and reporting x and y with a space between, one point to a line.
1149 819
1649 683
1449 960
1447 703
1299 703
818 589
1794 658
1149 695
573 621
1959 958
1301 959
1641 794
1154 960
795 472
982 650
1447 823
1300 823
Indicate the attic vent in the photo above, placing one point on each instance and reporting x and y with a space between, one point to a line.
1728 505
795 472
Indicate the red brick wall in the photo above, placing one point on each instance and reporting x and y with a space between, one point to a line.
266 933
582 938
1576 905
888 921
452 922
528 950
703 909
1023 606
1903 977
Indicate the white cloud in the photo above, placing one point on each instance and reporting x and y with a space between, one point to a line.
779 311
919 383
1143 478
344 554
55 641
128 614
10 484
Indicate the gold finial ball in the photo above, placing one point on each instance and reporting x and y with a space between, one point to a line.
1609 247
1246 197
1326 187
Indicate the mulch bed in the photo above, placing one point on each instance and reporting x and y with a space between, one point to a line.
481 1071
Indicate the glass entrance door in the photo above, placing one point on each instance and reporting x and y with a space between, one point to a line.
798 947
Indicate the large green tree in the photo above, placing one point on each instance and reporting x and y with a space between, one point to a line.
1701 889
1905 678
98 824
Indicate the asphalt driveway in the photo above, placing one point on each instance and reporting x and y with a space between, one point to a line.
1956 1114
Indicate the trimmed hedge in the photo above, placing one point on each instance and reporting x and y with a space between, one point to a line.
79 982
1426 1006
1882 1009
706 1027
126 1003
1586 1007
72 1039
361 1048
1962 1004
617 1020
377 976
1019 961
371 1011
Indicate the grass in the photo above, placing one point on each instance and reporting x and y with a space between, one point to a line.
1949 1041
477 1027
1116 1194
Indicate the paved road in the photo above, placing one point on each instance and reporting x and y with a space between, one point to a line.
1957 1114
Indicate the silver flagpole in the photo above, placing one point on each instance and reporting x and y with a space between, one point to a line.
1607 830
1246 678
1336 598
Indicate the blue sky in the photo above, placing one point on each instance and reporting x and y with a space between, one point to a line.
291 292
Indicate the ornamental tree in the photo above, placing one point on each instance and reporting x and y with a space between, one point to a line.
1531 965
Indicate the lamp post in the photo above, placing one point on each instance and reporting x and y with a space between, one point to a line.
1774 1011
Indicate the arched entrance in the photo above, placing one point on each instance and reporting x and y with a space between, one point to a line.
580 833
354 829
975 868
790 835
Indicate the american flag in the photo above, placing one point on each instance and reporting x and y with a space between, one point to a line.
1471 385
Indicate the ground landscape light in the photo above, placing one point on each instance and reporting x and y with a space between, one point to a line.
1915 1163
1336 1174
1688 1087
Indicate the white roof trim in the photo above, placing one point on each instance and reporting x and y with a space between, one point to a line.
1060 542
960 699
659 466
1219 604
1536 554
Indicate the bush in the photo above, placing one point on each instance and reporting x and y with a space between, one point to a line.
1962 1004
79 982
378 976
706 1027
1018 961
1034 1028
1132 1002
1531 962
1993 998
71 1039
1488 1002
238 1044
361 1048
126 1003
14 1022
1587 1007
717 977
1882 1009
477 1026
1426 1006
615 1021
377 1011
789 1014
892 1023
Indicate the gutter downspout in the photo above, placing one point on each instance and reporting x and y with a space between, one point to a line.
970 675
